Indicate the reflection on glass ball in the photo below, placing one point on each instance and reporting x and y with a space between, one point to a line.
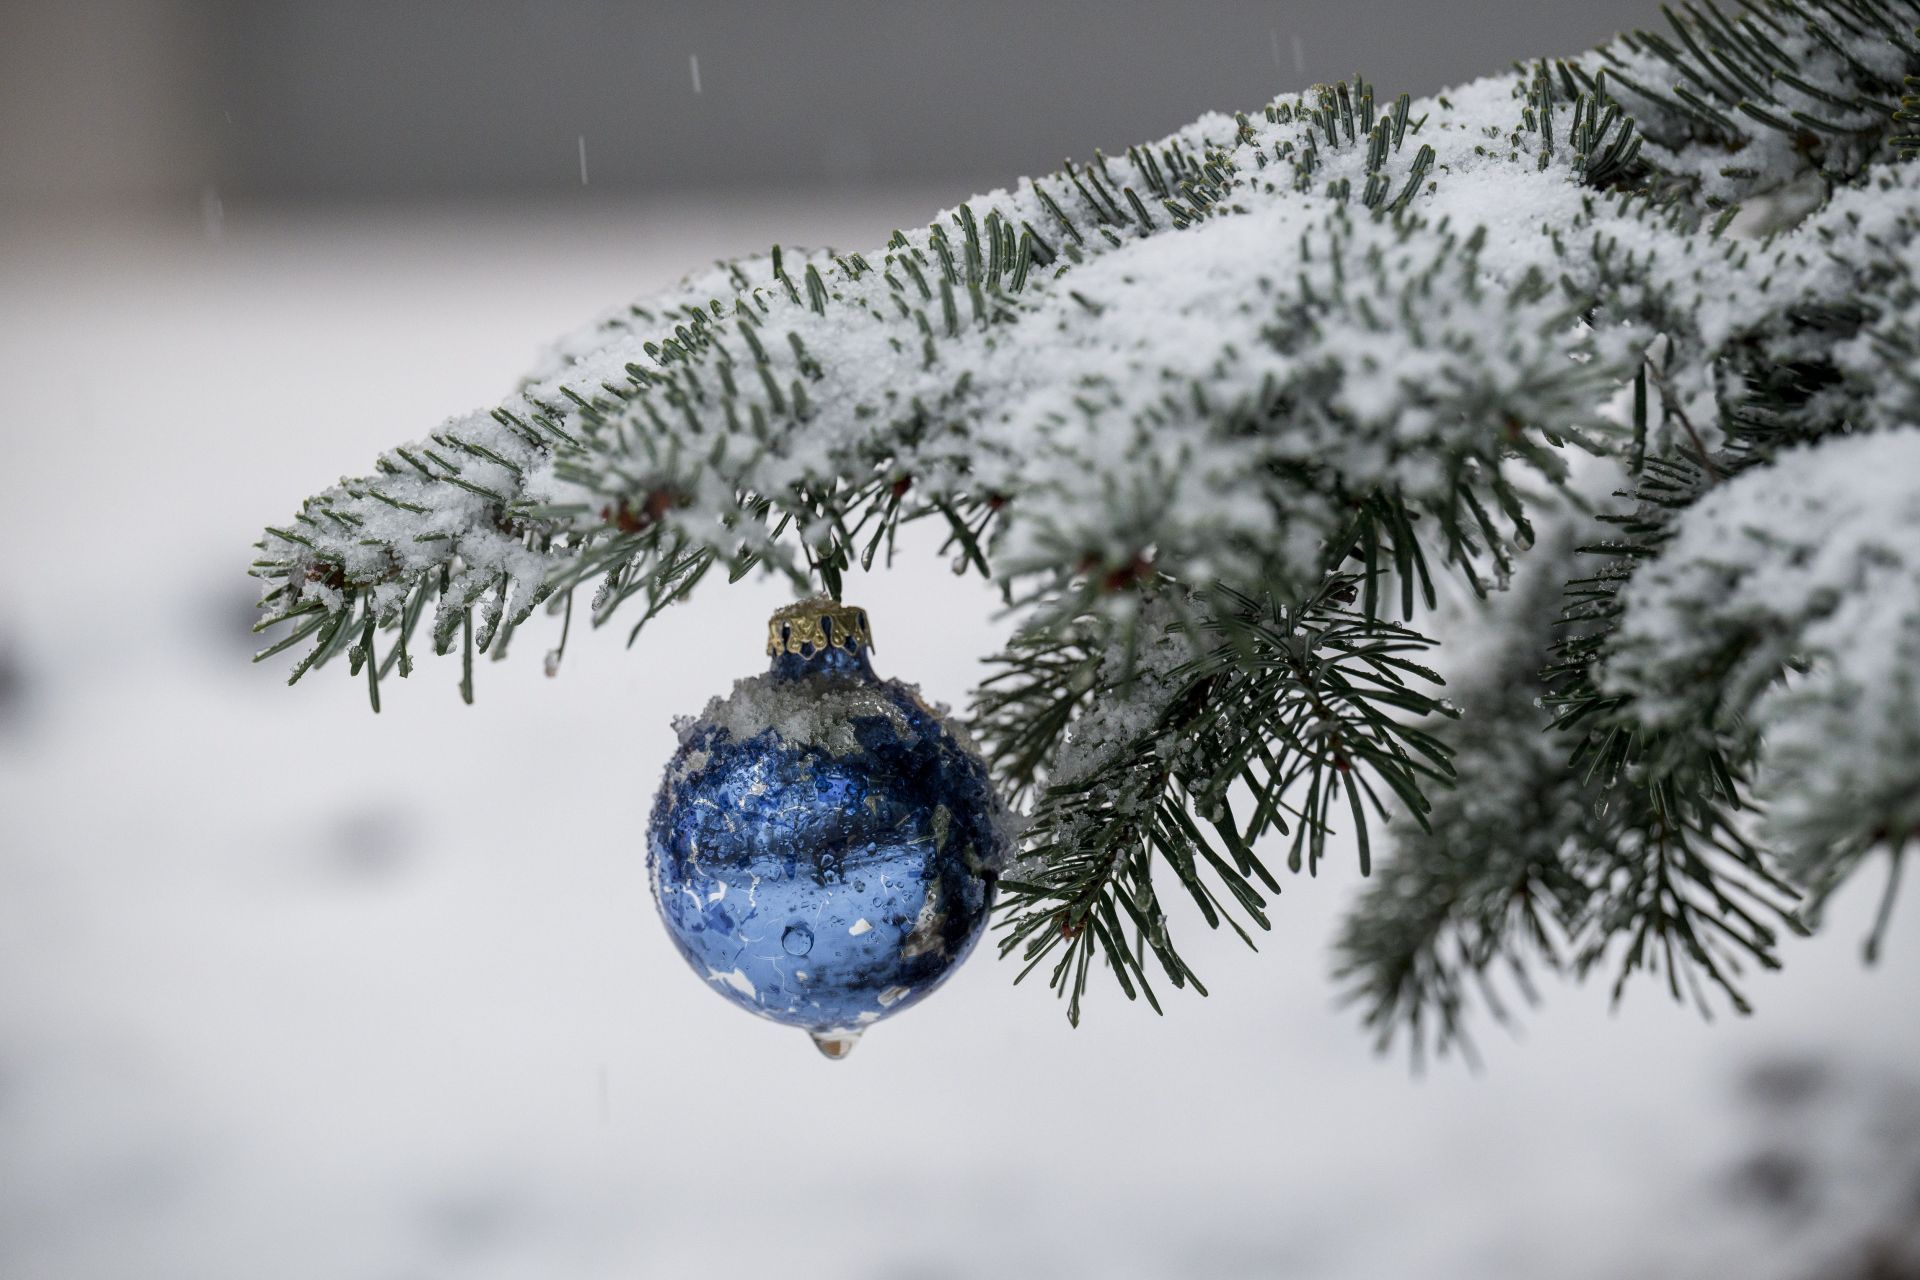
824 846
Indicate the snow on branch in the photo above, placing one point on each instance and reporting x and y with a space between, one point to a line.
1209 351
1784 613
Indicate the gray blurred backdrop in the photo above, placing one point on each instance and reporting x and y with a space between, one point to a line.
289 991
329 100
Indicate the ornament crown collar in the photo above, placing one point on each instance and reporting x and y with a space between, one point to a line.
809 627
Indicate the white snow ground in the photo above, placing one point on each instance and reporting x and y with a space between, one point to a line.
288 990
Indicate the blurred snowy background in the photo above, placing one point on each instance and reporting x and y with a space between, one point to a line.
288 990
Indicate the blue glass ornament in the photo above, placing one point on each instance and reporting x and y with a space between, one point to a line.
824 846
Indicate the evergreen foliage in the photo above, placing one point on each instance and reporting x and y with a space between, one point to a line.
1229 420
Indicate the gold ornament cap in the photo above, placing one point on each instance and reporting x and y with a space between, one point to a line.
811 626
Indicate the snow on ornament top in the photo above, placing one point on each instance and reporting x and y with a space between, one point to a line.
824 845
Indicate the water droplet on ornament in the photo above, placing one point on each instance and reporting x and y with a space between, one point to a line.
835 1044
797 941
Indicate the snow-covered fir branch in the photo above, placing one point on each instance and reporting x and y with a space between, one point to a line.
1530 865
1224 414
1808 567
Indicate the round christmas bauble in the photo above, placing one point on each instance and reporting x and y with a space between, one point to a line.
824 845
